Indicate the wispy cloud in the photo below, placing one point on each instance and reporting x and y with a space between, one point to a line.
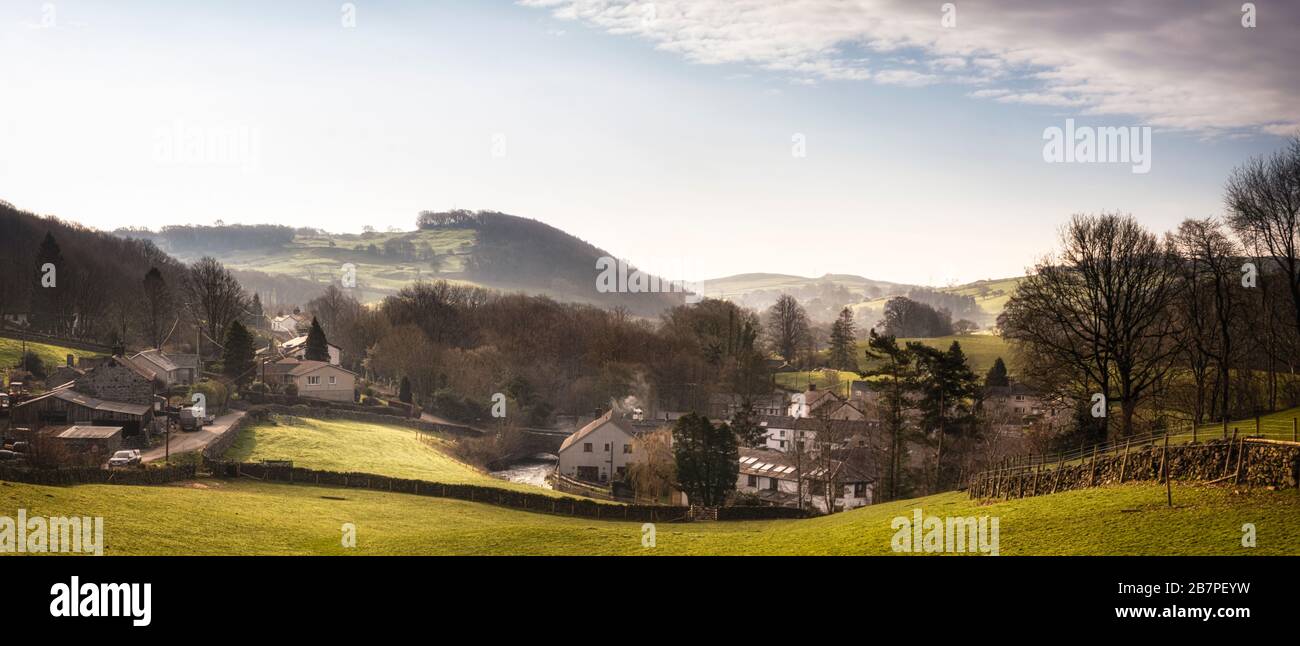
1169 63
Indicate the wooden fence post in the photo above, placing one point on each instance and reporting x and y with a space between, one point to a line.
1164 460
1092 476
1060 464
1241 448
1227 456
1123 464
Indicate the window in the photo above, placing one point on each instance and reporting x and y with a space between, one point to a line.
333 380
859 490
607 447
313 381
771 484
783 444
627 449
753 481
586 447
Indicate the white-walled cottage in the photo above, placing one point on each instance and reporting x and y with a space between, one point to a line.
599 451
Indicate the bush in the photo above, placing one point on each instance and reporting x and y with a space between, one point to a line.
457 407
291 390
214 392
259 387
31 362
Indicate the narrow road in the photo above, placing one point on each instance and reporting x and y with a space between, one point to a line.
182 442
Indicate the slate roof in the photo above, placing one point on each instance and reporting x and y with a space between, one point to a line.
608 418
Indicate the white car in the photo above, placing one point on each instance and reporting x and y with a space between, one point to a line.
124 459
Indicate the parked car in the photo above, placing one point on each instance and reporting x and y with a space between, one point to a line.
9 455
124 459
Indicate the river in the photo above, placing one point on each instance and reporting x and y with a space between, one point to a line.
531 470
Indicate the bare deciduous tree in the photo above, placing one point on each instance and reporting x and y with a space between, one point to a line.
787 327
214 297
1099 312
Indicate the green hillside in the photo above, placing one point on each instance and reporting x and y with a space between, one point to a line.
981 351
52 356
245 517
990 295
381 449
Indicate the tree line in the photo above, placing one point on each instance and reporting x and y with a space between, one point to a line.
1197 325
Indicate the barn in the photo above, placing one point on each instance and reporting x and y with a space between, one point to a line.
65 406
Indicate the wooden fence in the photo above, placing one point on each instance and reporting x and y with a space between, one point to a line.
1253 461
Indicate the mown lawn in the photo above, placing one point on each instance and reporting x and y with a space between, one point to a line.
245 517
345 445
53 356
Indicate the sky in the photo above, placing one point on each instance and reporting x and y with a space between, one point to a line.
901 141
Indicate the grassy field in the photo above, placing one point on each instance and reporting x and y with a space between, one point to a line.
990 295
321 259
357 446
981 351
243 517
11 351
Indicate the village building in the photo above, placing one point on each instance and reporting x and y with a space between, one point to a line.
291 324
67 406
781 433
600 451
171 369
725 405
774 478
297 348
811 401
120 380
63 375
316 379
93 443
1017 406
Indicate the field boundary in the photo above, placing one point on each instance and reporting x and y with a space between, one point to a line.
96 475
534 502
1252 461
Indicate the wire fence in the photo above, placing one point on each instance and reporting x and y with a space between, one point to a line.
1271 427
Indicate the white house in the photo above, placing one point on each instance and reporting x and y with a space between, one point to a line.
297 347
781 433
290 323
805 404
599 451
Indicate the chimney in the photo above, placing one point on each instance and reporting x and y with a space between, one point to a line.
70 360
812 388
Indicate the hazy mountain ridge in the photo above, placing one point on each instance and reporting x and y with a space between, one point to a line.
489 249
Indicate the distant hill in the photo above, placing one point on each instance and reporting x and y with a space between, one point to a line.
981 301
488 249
